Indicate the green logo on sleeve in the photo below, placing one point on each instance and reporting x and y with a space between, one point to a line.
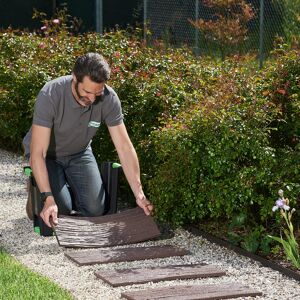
94 124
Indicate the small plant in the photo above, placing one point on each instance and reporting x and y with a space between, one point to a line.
290 245
241 232
61 23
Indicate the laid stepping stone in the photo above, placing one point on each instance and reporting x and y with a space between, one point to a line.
193 292
128 227
102 256
156 274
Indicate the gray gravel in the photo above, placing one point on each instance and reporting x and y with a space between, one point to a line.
44 256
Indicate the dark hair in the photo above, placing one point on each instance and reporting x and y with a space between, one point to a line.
92 65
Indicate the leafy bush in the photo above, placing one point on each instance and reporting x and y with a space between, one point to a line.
214 139
218 158
215 155
282 88
158 82
28 61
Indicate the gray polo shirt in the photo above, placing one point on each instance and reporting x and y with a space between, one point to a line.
73 126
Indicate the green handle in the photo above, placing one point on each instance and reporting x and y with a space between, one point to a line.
37 230
27 171
116 165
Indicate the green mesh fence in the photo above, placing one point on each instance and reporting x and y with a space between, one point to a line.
168 20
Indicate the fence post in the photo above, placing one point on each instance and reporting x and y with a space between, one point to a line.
54 5
99 16
197 50
261 34
145 21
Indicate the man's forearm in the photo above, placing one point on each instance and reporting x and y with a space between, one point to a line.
39 169
131 168
38 150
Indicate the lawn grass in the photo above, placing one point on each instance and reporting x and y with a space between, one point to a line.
18 283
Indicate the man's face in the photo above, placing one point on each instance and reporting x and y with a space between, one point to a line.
87 91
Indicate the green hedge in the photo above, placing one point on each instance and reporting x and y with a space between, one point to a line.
152 83
215 140
230 153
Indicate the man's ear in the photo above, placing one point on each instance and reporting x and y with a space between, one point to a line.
74 78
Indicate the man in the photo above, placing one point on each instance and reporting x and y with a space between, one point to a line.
67 114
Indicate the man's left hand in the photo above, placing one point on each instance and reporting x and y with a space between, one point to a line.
145 204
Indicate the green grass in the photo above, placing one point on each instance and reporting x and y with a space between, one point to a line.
18 283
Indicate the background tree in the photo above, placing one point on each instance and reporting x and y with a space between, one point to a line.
228 25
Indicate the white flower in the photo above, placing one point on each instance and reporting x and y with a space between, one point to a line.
280 193
280 203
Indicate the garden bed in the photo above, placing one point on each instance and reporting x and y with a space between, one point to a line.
281 266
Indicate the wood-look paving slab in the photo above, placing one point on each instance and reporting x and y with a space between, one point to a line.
156 274
193 292
127 227
101 256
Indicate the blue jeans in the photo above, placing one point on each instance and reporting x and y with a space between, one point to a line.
75 180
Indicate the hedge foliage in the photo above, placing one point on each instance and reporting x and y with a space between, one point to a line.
229 153
214 139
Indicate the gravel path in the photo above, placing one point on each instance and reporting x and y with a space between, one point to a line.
43 255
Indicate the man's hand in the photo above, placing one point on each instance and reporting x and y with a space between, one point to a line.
145 204
49 212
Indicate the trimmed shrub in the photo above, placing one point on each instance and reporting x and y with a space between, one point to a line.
215 140
219 157
151 83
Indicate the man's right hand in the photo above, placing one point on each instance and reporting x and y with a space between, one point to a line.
49 212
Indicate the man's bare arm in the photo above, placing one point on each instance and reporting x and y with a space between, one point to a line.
38 149
130 164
